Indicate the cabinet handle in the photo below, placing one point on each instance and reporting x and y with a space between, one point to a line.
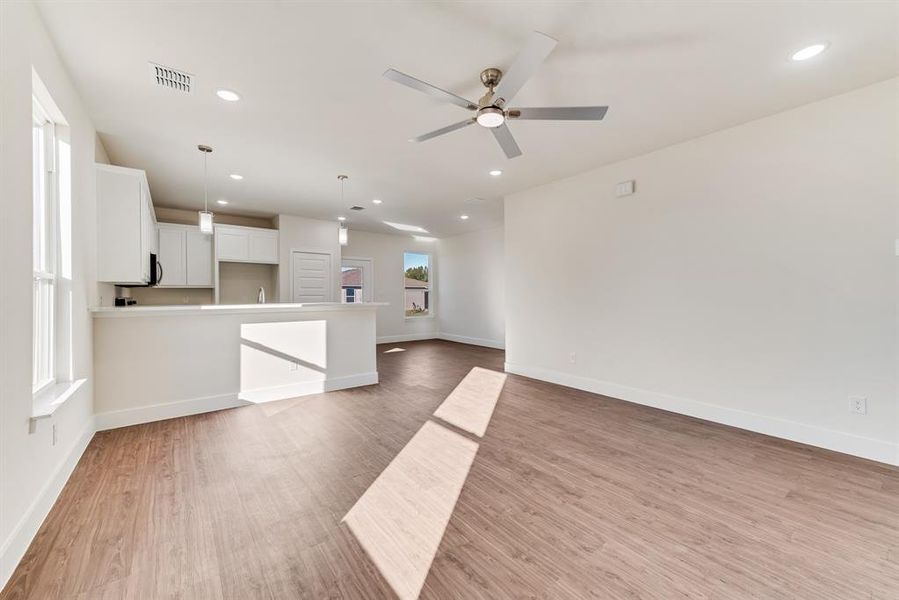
159 268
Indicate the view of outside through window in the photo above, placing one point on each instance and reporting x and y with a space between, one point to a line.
416 269
351 284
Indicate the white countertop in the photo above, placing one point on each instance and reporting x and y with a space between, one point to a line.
228 309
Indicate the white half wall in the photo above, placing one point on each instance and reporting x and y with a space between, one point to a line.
751 280
387 253
33 469
472 291
153 365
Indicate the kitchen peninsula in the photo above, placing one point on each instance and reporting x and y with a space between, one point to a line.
160 362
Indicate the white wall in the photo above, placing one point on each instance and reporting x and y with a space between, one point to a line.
387 252
750 280
32 469
472 290
308 235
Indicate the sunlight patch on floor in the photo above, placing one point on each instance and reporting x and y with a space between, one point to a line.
470 406
392 350
400 519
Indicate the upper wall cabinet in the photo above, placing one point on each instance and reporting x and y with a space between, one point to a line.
246 244
185 257
126 226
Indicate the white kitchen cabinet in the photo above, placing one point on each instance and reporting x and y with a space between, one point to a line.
125 226
171 261
199 258
185 256
246 244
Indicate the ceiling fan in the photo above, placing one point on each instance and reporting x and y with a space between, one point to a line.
490 110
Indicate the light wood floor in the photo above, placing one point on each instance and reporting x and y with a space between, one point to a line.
570 495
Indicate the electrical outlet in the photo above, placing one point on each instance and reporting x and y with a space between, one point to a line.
55 436
572 358
858 405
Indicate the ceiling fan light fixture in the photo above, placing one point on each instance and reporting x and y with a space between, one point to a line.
491 116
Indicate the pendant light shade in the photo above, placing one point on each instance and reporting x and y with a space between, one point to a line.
205 216
205 222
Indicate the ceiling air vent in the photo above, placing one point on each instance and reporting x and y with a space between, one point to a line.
173 79
357 208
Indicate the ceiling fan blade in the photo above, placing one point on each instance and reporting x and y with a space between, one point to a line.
560 113
427 88
506 141
538 47
443 130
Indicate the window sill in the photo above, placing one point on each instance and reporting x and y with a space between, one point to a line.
419 318
47 401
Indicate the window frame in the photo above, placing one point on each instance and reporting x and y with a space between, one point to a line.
45 254
429 290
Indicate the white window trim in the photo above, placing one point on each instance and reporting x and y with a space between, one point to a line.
50 253
432 286
50 393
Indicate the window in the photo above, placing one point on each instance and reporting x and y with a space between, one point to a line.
43 250
356 280
51 252
418 280
350 284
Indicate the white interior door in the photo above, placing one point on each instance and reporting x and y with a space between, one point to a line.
311 277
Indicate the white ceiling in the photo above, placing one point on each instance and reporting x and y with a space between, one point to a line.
315 104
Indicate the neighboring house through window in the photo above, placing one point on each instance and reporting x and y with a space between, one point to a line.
417 276
351 284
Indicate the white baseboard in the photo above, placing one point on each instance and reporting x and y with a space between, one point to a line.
462 339
194 406
407 337
23 533
167 410
847 443
449 337
304 388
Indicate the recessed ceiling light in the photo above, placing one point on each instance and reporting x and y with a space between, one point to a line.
809 51
228 95
376 201
463 217
496 172
404 227
236 177
222 202
341 218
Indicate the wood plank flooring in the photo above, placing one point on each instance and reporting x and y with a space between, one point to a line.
570 495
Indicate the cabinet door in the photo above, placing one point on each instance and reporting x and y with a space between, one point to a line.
263 246
232 244
172 257
199 258
119 229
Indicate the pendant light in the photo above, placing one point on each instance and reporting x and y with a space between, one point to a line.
342 231
205 215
